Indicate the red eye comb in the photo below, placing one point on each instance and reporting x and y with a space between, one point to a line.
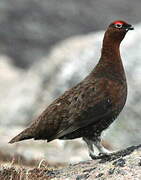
119 22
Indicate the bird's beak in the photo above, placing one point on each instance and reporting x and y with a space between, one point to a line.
129 27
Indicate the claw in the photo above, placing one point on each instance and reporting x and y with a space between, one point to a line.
100 156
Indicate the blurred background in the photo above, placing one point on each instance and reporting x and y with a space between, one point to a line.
48 46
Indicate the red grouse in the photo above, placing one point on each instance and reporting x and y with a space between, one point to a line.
92 105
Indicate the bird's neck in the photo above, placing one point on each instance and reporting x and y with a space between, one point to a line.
110 49
110 61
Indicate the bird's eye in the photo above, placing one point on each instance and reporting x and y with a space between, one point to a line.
118 26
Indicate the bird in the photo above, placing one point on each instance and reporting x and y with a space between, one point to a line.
88 108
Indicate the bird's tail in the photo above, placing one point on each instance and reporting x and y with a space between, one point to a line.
26 134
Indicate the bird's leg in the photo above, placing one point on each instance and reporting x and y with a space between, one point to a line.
102 150
96 150
90 147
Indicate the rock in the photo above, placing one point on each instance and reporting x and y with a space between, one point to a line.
30 28
107 168
9 79
9 74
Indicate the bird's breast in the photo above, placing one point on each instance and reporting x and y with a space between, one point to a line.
117 93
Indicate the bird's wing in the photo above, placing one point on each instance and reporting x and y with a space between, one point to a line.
87 107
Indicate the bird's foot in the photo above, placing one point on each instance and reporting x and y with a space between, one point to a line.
114 155
100 156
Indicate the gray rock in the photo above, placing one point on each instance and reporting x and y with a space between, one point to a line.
30 28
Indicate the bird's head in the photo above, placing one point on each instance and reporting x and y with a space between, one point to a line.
118 29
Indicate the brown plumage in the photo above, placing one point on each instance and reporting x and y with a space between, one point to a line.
93 104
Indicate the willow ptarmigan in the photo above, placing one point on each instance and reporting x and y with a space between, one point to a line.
92 105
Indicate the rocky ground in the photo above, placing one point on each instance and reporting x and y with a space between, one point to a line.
123 165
